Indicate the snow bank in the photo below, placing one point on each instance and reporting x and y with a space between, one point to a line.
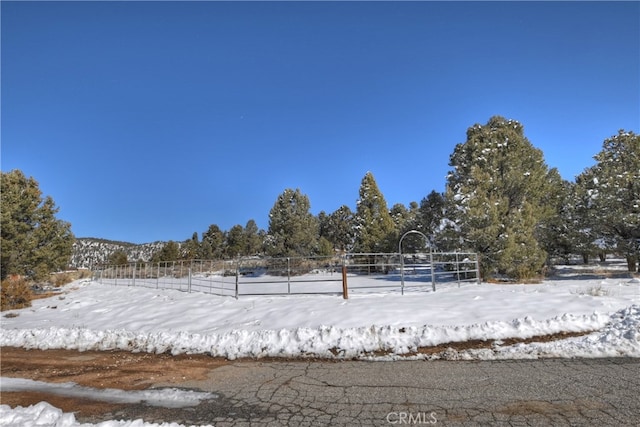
325 341
45 415
102 317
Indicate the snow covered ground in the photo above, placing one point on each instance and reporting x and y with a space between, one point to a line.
372 326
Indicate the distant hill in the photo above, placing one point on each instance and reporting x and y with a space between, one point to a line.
89 251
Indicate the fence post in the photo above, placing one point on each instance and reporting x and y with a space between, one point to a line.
433 272
345 289
288 276
135 264
189 281
478 280
401 274
237 276
458 269
173 274
158 276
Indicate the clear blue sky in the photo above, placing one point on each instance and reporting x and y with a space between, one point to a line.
151 120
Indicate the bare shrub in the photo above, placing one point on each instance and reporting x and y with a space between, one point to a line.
598 291
63 278
60 279
15 293
594 291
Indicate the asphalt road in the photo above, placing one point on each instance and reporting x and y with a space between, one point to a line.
552 392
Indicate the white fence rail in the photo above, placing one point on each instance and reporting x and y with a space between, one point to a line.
359 273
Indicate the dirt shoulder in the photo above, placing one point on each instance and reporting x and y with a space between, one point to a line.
136 371
98 369
105 369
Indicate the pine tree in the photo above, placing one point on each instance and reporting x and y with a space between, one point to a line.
191 248
405 220
613 187
119 257
169 252
253 239
401 219
325 247
498 192
235 244
33 241
293 230
430 216
212 245
337 228
374 227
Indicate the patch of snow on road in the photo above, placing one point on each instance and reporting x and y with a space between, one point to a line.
167 398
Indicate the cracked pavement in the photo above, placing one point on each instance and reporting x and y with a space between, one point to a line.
349 393
341 393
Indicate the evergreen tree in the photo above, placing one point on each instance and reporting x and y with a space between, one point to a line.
557 234
212 245
374 227
431 214
613 186
337 228
169 252
191 248
499 191
325 247
585 232
405 220
323 223
401 218
235 245
119 257
33 242
293 230
253 239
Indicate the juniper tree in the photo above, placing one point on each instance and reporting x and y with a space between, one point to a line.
33 242
584 229
613 187
374 227
498 190
558 233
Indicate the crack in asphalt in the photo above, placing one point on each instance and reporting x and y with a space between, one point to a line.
352 393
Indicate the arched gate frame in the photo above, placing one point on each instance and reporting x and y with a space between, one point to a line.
433 278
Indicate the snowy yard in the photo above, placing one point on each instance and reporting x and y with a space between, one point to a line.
371 325
93 316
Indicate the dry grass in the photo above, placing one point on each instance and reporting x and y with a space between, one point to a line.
16 293
65 277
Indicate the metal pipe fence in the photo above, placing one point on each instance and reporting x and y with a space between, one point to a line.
359 273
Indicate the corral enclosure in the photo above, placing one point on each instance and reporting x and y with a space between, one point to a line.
359 273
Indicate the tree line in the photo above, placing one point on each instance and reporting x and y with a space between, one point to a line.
501 200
